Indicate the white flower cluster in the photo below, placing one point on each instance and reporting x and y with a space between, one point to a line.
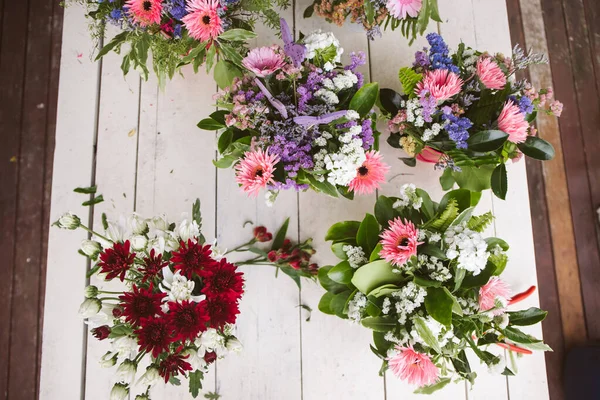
432 132
356 307
414 112
323 44
408 197
469 60
356 255
341 165
331 87
440 332
435 268
406 301
328 96
469 306
468 247
402 339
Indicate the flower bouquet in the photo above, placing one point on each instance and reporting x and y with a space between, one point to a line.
410 16
464 113
180 32
425 280
299 119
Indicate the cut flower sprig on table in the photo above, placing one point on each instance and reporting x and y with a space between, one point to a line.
423 277
175 33
466 113
299 119
172 301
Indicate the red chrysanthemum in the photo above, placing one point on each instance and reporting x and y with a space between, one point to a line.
192 258
173 365
155 335
116 261
223 279
140 303
188 319
153 266
222 311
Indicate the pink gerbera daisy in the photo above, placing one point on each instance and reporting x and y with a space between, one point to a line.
490 73
415 368
145 12
203 22
399 242
370 174
495 290
512 121
401 8
441 84
255 171
263 61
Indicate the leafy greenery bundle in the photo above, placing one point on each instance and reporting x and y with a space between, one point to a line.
466 114
423 278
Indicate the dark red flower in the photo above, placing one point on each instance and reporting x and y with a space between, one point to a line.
222 310
192 258
140 303
101 332
272 256
261 234
155 335
153 266
222 279
210 357
188 319
116 261
173 365
117 312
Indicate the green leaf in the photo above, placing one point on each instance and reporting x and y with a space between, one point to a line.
427 206
194 53
530 316
195 379
341 273
280 235
324 187
95 200
209 124
464 199
537 148
224 73
338 303
210 57
486 140
324 303
225 140
375 253
519 336
539 346
379 324
434 12
231 54
426 334
117 40
86 190
364 100
225 162
439 304
367 236
456 308
196 213
500 181
104 221
447 179
308 12
338 250
390 100
384 290
475 281
494 241
327 283
463 216
408 80
292 273
373 275
219 116
342 231
408 161
476 179
429 389
425 283
432 250
369 12
239 35
443 221
384 210
141 47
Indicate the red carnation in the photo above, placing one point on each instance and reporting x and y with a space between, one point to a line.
210 357
192 258
153 266
101 332
262 235
188 319
223 280
222 311
116 261
173 365
141 303
155 335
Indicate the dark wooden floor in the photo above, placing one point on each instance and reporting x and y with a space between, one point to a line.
565 193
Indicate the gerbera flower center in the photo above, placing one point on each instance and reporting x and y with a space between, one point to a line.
259 173
362 171
147 5
403 242
206 19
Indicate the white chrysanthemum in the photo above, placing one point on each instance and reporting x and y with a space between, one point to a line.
210 340
125 347
326 46
468 247
178 287
217 252
188 230
136 224
356 255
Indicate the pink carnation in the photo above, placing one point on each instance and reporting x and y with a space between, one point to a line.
512 121
401 8
441 84
203 22
399 242
495 289
413 367
145 12
490 73
370 174
255 171
263 61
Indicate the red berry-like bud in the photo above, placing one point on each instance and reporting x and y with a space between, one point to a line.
210 357
272 256
101 332
117 312
261 234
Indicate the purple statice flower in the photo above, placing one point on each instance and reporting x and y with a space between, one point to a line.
374 32
306 90
176 8
428 103
438 54
289 184
457 127
367 134
525 104
421 59
361 80
346 125
356 60
177 31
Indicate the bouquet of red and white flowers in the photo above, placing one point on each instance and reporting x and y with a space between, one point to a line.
425 280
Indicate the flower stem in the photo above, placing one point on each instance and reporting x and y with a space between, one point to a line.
95 233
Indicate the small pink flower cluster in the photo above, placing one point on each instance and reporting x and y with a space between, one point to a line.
544 99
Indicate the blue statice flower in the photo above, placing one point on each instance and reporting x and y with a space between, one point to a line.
439 54
176 8
177 31
524 103
115 16
457 127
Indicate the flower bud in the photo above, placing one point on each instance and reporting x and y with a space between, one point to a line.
138 225
142 397
89 308
90 292
68 221
151 377
234 345
138 242
210 357
188 230
261 234
101 332
119 392
272 256
90 248
126 371
108 360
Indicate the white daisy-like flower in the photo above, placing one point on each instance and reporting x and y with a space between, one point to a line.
178 287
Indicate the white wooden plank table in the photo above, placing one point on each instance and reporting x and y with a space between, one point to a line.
142 148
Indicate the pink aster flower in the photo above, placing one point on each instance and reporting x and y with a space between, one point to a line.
203 22
399 242
429 155
401 8
263 61
490 73
255 171
370 174
441 84
145 12
512 121
495 289
415 368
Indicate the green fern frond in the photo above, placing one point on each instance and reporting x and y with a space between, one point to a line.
409 79
478 224
442 222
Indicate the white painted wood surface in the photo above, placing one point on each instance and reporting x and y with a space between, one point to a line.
149 156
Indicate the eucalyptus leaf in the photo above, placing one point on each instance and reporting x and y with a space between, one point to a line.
429 389
237 35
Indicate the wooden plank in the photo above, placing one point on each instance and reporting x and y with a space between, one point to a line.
63 339
592 13
23 362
